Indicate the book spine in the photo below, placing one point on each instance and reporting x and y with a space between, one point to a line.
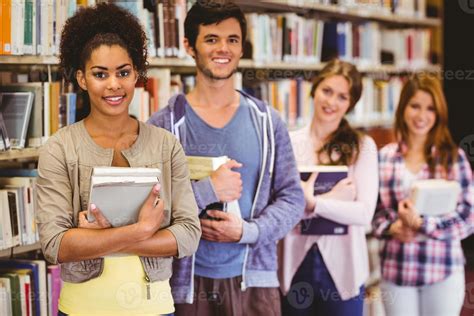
6 26
28 27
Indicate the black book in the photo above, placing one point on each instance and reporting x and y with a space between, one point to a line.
327 177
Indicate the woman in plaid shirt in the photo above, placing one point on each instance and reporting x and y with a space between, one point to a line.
422 259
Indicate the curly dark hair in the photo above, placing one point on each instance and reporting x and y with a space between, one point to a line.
103 24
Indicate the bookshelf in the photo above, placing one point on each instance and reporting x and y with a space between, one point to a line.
19 154
309 9
374 17
358 12
188 64
5 253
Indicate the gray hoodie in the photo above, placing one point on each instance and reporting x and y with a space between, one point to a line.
278 204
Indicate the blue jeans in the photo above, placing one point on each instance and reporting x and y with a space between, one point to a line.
313 291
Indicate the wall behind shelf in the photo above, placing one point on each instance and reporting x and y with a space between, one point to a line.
459 70
459 89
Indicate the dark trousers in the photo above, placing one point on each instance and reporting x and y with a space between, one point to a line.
223 297
313 291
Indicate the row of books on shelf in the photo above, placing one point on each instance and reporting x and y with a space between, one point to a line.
29 287
31 112
292 99
17 209
309 40
33 26
41 22
293 38
412 8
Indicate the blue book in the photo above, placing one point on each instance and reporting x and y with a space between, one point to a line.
330 41
15 172
327 177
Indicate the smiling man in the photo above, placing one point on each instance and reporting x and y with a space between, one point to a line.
234 271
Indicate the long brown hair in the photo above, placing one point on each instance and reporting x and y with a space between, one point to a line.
345 140
439 146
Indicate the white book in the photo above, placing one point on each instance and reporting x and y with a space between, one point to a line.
161 31
7 238
46 110
201 167
24 280
435 197
17 29
26 191
5 296
119 193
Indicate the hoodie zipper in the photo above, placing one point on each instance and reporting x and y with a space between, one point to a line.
243 285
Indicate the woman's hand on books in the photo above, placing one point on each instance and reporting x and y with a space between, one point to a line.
401 232
224 227
151 214
226 182
344 190
100 222
308 190
409 215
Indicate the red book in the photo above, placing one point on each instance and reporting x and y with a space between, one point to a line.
410 47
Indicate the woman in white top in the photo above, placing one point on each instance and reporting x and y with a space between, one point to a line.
325 274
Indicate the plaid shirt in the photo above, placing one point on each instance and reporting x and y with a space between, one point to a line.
429 260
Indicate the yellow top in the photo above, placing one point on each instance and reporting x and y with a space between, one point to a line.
121 289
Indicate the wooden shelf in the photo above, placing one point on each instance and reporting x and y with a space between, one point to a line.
28 60
189 64
14 154
19 249
359 12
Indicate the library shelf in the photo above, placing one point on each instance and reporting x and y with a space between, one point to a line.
188 64
359 12
5 253
14 154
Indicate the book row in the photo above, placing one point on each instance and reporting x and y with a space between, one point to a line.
17 211
29 287
41 22
311 40
292 99
293 38
31 112
411 8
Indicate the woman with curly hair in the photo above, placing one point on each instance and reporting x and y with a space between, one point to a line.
325 274
422 259
112 270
